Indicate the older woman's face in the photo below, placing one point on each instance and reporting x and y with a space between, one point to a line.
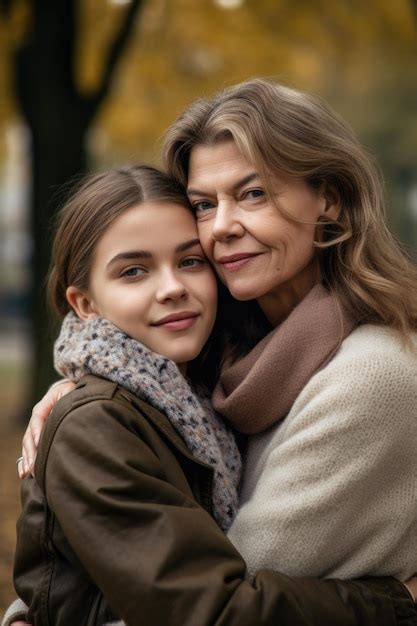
258 252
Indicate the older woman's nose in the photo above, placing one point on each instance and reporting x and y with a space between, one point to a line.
226 223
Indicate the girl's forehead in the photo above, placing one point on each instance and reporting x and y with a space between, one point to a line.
154 228
148 218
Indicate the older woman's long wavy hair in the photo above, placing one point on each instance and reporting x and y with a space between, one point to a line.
283 130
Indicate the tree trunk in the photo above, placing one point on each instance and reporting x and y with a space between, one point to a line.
51 174
57 123
58 117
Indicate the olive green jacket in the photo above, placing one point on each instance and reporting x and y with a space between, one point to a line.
124 531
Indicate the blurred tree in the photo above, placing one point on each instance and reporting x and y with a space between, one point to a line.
360 56
58 115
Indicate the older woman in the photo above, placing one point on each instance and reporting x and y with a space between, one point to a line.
290 213
321 370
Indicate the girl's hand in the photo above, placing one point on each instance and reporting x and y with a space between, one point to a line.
20 624
40 414
411 585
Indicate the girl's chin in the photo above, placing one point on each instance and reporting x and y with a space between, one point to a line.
182 357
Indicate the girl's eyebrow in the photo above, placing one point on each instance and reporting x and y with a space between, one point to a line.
187 244
146 254
240 183
134 254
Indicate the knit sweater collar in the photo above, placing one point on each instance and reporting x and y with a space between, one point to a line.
98 347
258 390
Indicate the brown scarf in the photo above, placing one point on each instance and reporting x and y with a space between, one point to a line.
259 390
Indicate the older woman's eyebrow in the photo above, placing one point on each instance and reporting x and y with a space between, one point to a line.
191 191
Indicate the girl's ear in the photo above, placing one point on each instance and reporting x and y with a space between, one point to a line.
81 302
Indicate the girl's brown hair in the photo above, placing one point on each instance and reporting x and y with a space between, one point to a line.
99 201
283 130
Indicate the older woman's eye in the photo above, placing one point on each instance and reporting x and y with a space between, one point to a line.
254 194
202 205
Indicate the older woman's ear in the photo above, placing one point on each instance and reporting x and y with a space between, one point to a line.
331 202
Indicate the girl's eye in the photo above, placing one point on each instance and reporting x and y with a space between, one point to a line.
192 262
133 272
202 205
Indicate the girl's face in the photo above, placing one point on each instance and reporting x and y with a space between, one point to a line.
149 277
258 252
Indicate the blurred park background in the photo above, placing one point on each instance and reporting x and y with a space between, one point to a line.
90 84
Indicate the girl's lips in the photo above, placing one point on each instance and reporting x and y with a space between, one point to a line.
182 324
178 321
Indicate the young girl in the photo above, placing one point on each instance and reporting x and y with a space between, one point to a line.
128 264
131 463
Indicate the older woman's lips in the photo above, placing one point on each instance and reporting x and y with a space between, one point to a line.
234 262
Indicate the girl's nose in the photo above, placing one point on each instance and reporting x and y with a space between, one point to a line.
171 288
226 223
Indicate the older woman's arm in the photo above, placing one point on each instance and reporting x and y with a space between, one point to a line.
15 614
40 414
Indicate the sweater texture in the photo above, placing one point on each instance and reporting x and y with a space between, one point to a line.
98 347
16 611
331 490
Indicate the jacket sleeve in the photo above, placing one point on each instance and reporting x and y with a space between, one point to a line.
160 559
16 611
333 491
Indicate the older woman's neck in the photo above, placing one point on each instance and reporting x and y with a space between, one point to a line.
279 302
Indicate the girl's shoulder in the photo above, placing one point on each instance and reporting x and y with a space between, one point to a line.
100 413
89 390
97 401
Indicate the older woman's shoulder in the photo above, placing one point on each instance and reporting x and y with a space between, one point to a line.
374 342
374 373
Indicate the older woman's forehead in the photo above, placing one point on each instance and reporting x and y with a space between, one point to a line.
223 160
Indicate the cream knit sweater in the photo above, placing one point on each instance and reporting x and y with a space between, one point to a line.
332 490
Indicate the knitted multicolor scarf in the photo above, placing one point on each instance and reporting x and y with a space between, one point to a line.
98 347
